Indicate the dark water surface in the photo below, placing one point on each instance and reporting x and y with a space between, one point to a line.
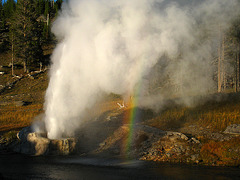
15 166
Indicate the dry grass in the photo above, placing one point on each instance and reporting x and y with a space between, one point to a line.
216 115
221 153
12 117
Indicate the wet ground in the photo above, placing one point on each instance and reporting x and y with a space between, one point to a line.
16 166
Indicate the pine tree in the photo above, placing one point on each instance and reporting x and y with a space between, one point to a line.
1 15
41 7
59 3
6 13
9 8
26 30
1 27
1 9
47 11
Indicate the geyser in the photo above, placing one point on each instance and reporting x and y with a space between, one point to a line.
113 46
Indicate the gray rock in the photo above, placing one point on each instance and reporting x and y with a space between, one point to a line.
168 155
184 137
22 135
194 157
194 140
173 136
33 143
21 103
233 129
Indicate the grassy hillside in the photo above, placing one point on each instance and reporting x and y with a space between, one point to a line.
215 114
20 104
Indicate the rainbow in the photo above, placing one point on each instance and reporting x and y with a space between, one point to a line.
132 113
130 118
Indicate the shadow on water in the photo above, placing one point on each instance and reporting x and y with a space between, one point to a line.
15 166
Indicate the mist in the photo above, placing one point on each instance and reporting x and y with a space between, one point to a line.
149 49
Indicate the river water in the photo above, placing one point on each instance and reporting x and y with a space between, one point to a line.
15 166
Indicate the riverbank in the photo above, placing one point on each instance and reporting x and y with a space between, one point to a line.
106 137
202 125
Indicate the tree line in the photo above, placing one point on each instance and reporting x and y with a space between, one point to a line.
25 28
228 58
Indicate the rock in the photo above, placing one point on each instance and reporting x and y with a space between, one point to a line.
194 157
21 103
168 155
233 129
184 137
22 135
33 143
62 146
39 144
173 136
194 140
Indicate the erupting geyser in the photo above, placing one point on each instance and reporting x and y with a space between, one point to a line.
113 46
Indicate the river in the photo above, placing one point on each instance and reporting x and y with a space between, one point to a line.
16 166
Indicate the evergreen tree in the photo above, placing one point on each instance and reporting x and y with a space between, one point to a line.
9 7
26 30
1 15
41 7
1 27
47 11
59 3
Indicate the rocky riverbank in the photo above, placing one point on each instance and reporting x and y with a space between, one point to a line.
152 144
196 146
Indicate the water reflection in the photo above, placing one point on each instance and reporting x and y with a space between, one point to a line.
15 166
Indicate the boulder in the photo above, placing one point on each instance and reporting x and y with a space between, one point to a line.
33 143
233 129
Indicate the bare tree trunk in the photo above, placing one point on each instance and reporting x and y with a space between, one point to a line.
24 66
219 68
223 67
47 19
24 51
47 25
40 66
224 80
12 56
238 65
237 69
52 3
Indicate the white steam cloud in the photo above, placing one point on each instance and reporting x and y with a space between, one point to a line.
116 46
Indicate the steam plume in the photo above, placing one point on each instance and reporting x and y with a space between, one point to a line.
112 46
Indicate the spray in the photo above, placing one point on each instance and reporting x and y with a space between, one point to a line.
110 46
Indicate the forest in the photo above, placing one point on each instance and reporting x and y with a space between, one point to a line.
25 28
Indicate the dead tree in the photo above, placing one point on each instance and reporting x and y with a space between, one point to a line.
221 67
237 68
